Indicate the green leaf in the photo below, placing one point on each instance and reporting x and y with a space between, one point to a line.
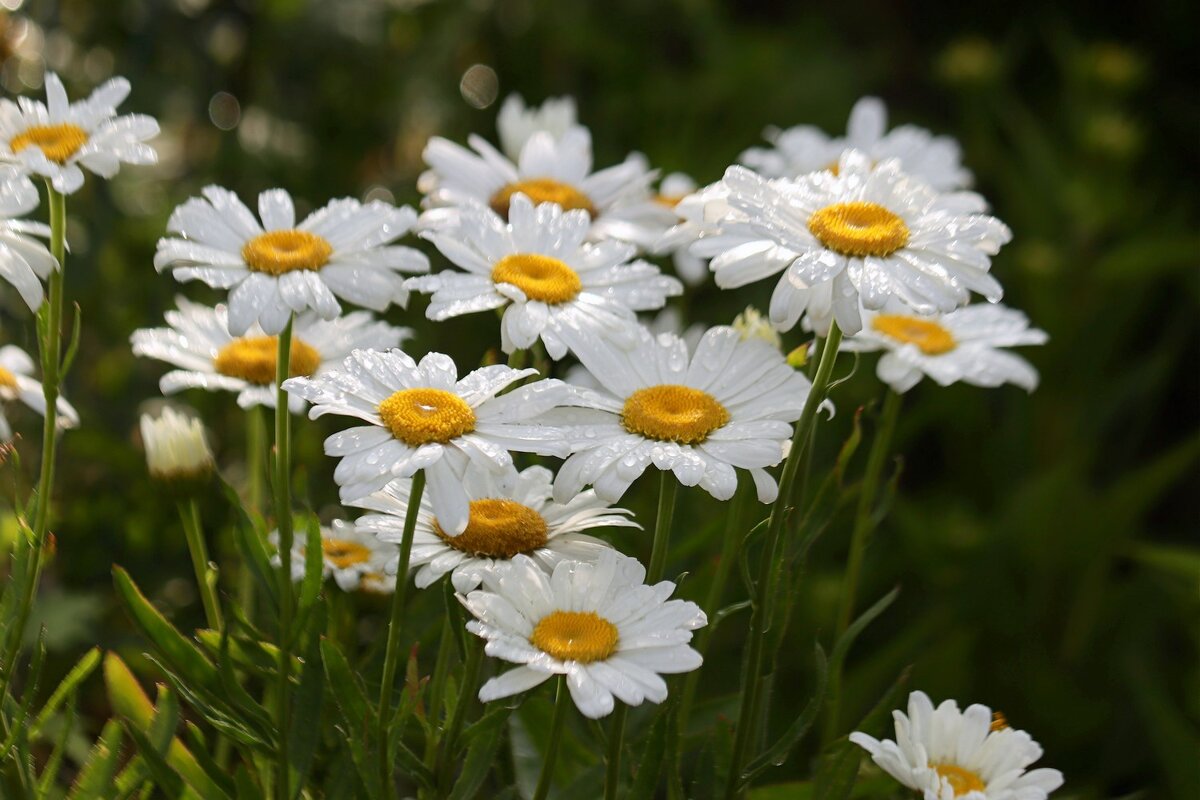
78 674
779 752
307 703
348 691
645 782
485 737
95 778
202 751
251 541
50 772
314 563
838 769
843 644
798 790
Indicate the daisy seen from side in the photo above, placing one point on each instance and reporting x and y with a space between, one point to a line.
517 122
24 261
18 384
355 559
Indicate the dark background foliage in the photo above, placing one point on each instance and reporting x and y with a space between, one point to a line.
1045 545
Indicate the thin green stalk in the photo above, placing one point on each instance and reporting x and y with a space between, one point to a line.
283 521
864 526
189 515
466 698
392 654
562 701
668 488
256 450
762 611
437 684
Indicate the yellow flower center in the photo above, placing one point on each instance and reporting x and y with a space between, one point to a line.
669 200
961 780
542 190
930 338
672 413
253 359
277 252
57 142
859 229
421 416
343 553
582 636
999 722
539 277
498 528
7 379
374 582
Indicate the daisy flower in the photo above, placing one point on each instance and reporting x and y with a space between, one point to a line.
549 169
24 262
516 122
278 267
537 267
209 357
54 139
945 754
870 232
423 417
17 383
506 521
176 447
597 623
729 405
963 345
356 560
937 160
674 189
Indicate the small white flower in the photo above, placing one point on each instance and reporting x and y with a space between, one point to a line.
537 267
506 521
751 324
946 754
423 417
176 446
516 123
550 169
869 232
24 261
17 383
279 267
209 357
937 160
729 405
963 345
355 559
54 139
597 623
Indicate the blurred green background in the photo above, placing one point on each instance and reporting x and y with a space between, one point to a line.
1046 545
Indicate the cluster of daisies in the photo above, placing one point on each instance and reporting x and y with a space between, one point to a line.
873 233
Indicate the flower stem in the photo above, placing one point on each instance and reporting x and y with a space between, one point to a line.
283 520
561 701
256 449
392 654
762 608
864 526
206 578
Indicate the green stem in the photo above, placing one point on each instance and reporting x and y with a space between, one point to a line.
437 684
256 450
763 600
864 526
562 700
392 654
189 515
466 698
283 521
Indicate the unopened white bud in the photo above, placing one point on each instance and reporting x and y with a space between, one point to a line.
176 447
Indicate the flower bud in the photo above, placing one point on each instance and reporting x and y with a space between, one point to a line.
751 324
176 447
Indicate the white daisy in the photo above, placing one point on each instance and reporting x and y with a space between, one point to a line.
550 169
516 122
422 417
937 160
537 267
946 754
963 345
868 232
17 383
674 189
24 262
355 559
176 446
506 521
597 623
279 267
209 357
729 405
54 139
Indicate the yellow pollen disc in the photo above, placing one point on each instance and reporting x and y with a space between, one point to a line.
253 359
859 229
498 528
277 252
343 553
999 723
421 416
668 200
542 190
929 337
672 413
539 277
7 379
582 636
961 780
57 142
